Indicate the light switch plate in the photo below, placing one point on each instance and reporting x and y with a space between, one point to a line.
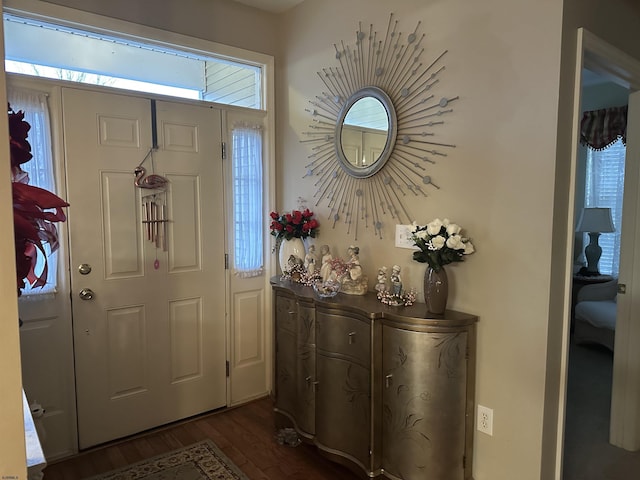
403 237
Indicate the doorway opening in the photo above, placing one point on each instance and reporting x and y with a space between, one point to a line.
599 183
610 64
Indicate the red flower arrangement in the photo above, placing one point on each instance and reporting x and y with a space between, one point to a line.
300 224
34 209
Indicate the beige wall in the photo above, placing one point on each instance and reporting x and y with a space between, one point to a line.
222 21
498 183
502 183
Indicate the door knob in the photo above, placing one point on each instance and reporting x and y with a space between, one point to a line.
86 294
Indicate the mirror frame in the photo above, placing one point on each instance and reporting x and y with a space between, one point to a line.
375 167
389 66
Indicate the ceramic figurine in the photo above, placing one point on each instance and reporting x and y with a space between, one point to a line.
293 261
310 260
355 270
354 282
381 286
396 280
325 267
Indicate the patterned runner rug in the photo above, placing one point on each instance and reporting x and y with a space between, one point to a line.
200 461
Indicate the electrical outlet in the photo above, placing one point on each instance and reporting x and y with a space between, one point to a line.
485 420
403 237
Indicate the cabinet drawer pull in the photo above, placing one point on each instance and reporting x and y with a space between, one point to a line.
315 386
387 380
308 380
291 312
352 338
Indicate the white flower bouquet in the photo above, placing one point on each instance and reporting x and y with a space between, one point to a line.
440 242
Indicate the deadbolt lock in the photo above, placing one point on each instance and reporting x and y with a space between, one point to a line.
84 269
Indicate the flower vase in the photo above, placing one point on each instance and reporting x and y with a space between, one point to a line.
436 290
294 247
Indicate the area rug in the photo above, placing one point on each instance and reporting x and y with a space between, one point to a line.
200 461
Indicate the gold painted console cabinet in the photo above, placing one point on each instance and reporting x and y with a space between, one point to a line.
386 391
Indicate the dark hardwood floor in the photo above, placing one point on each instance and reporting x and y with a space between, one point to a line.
245 434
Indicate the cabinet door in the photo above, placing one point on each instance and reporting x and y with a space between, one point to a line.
285 364
306 375
343 422
424 399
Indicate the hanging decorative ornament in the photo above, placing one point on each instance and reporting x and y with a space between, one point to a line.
154 207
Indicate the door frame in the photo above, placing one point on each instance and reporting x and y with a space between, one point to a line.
615 65
12 417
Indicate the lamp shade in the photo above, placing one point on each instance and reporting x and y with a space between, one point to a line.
596 220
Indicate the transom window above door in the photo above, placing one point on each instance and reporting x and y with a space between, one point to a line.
47 50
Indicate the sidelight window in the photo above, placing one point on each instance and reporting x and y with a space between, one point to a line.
247 200
39 168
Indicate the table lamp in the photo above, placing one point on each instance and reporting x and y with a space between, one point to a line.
594 221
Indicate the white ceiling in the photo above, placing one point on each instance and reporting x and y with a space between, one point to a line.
275 6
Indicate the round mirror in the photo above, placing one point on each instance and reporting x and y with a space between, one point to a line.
365 132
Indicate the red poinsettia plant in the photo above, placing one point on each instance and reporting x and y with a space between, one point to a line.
35 210
298 223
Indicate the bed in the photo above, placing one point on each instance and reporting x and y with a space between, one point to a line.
595 314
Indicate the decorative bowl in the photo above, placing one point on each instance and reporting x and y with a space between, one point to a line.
327 289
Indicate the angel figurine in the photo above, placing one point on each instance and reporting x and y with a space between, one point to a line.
325 267
310 260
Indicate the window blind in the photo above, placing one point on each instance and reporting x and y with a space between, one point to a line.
605 188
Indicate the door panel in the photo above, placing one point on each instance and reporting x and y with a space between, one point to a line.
186 321
343 409
150 343
126 352
285 353
184 207
122 246
423 427
247 342
625 397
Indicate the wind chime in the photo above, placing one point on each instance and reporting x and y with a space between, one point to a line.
154 206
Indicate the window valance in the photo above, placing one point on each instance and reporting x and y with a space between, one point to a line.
601 128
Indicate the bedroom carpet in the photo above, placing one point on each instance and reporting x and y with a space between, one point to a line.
588 455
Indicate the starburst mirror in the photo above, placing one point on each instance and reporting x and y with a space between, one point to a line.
373 132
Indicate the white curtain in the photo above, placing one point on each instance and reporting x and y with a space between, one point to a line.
40 167
604 188
247 200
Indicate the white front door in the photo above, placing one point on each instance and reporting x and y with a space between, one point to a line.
150 339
